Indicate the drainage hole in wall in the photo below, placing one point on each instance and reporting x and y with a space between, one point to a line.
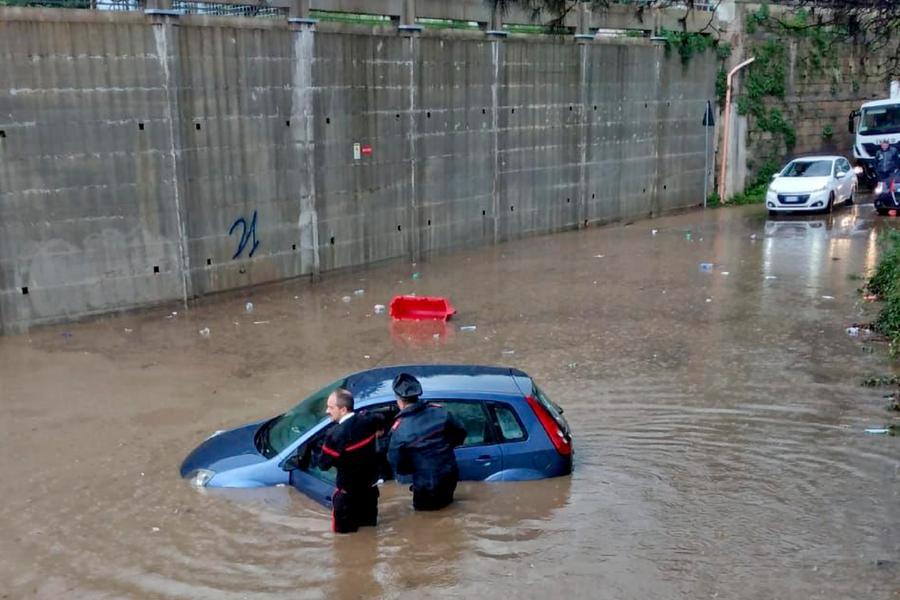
513 111
428 114
2 133
429 222
293 246
644 191
332 240
287 123
328 120
645 105
595 107
483 111
399 228
568 200
664 187
397 116
24 290
593 196
585 222
141 126
197 126
156 268
570 108
208 261
512 208
483 213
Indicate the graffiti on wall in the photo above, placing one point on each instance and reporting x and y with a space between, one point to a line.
248 233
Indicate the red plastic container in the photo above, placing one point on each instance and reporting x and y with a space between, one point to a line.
420 308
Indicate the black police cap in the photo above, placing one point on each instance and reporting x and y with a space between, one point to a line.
407 386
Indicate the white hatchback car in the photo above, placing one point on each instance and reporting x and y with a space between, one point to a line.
812 183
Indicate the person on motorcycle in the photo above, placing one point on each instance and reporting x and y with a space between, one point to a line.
887 160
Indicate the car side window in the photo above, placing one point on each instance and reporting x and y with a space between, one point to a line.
474 418
511 429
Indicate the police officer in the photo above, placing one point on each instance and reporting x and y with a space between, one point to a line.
350 447
422 442
887 160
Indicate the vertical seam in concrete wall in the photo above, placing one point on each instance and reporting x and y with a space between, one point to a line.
582 166
302 105
161 34
413 249
495 136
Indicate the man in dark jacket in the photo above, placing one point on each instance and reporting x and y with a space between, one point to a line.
887 160
422 442
350 447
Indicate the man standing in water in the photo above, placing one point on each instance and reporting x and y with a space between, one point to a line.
424 436
350 447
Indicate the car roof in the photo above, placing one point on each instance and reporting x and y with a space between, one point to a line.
439 379
817 157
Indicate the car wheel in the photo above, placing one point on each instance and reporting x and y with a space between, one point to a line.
850 197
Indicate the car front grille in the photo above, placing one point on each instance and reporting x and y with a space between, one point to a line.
793 198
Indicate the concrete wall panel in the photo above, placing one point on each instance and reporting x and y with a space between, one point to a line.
143 163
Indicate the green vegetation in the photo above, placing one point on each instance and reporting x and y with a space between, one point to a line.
688 44
827 132
885 283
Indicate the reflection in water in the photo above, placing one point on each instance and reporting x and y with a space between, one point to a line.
717 425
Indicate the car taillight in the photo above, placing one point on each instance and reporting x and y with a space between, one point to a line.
554 430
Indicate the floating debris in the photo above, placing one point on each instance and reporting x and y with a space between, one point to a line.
248 307
468 328
204 332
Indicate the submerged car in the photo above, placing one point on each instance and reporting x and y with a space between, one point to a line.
887 195
514 432
812 183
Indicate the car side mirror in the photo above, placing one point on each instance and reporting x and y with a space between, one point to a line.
840 175
292 463
776 176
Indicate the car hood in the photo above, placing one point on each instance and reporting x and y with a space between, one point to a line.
223 451
789 185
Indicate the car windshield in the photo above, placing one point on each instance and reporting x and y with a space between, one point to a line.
880 119
808 168
280 432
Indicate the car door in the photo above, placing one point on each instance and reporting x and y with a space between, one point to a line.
479 456
305 475
848 179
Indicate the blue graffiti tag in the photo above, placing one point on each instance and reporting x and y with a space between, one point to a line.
246 234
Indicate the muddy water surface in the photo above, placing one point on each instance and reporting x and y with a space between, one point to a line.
718 423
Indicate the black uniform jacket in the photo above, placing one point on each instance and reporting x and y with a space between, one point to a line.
422 442
350 446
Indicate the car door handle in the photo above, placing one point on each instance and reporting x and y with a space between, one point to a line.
484 458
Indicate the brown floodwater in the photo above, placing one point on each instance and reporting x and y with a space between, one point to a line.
718 419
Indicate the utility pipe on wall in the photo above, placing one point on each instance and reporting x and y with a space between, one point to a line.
727 123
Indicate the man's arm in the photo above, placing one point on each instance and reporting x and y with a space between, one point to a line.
331 451
456 433
398 455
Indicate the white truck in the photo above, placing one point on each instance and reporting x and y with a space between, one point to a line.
874 121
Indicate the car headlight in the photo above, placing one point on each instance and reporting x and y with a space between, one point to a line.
770 194
879 188
200 477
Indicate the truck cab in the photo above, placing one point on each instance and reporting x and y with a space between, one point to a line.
873 122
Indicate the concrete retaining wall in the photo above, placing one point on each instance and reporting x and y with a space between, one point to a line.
143 163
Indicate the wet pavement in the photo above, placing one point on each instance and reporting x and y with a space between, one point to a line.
717 412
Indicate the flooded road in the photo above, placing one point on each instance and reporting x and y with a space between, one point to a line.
717 412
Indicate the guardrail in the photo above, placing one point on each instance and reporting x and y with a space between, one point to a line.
413 15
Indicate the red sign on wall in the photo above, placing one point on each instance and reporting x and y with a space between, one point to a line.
367 150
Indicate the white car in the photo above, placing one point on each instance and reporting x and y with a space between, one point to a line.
812 183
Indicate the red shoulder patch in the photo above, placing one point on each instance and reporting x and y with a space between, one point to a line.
436 405
395 425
